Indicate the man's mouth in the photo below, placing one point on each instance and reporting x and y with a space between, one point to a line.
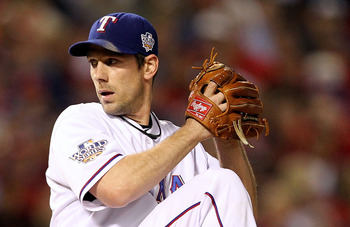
106 93
106 96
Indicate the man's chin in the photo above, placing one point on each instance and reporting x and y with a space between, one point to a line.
111 109
108 108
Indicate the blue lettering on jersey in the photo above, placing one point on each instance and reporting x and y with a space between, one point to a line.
161 192
176 183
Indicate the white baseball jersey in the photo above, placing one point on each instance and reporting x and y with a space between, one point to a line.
85 144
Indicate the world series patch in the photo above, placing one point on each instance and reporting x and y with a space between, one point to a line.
89 150
147 41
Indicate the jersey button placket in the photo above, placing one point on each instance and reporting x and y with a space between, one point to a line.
148 141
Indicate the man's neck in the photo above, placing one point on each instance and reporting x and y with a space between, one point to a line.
141 117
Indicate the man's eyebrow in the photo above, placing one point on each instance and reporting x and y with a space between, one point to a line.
114 54
107 54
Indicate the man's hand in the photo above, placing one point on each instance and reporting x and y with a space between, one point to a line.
216 97
224 102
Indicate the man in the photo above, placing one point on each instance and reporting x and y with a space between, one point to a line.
116 164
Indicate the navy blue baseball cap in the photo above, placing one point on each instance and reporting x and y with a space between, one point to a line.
125 33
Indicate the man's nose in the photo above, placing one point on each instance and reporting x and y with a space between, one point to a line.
100 72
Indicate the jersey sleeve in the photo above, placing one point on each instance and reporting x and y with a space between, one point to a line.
82 152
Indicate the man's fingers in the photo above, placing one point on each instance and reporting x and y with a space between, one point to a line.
215 96
223 107
210 90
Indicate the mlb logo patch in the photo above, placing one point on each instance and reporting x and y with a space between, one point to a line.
199 107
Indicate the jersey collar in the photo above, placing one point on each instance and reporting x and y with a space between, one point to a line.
153 131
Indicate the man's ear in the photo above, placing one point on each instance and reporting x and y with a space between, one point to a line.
151 66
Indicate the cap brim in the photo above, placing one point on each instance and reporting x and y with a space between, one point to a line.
82 48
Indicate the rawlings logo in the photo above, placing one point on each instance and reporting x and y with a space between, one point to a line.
147 41
89 150
199 107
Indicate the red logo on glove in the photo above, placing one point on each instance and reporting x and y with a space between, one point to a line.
199 107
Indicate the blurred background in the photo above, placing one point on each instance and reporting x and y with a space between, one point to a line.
296 51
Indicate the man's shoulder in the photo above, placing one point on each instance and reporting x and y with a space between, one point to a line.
82 110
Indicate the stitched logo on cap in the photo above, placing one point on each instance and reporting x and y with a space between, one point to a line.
147 41
104 22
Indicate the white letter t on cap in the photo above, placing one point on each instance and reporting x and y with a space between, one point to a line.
104 21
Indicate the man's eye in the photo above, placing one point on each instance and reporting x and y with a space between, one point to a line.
93 63
112 61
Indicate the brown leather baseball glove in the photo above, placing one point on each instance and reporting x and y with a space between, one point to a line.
242 119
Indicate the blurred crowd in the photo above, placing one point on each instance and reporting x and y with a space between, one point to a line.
296 51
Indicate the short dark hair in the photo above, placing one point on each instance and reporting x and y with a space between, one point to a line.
140 59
